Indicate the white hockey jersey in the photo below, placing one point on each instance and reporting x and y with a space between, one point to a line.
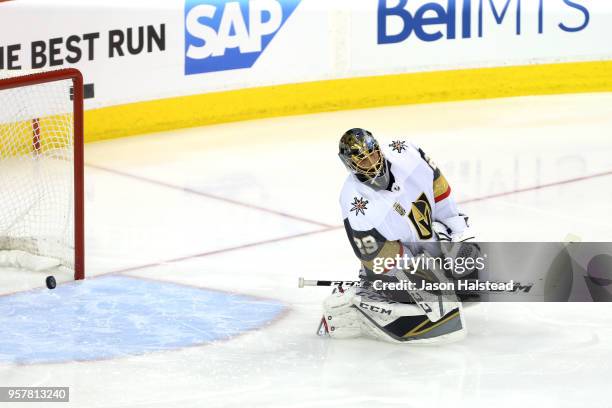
382 223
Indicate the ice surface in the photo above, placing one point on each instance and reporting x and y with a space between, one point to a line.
247 208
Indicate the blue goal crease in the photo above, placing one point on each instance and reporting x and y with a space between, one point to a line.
116 316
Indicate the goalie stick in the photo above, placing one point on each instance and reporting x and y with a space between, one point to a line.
315 282
569 238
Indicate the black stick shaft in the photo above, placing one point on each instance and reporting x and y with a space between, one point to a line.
306 282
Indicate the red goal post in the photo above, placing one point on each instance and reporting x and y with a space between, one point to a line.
74 136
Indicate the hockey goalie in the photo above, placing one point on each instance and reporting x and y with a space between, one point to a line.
397 205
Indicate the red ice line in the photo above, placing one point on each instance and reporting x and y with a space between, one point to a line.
538 187
208 195
326 227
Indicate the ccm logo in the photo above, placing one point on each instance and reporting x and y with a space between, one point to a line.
374 309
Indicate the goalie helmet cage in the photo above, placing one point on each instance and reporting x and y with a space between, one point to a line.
74 136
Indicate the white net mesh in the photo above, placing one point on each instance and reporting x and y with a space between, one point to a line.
36 172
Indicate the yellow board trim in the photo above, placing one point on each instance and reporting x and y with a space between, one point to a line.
17 139
341 94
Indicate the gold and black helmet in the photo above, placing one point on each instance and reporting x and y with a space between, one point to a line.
361 155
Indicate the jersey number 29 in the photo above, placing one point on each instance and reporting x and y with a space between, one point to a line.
367 245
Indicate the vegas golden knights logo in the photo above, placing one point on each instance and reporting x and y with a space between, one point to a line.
420 215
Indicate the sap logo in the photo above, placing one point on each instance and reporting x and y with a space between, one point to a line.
223 34
432 21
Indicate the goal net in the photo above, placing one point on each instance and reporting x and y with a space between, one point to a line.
41 171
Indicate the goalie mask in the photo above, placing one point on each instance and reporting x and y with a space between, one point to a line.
361 155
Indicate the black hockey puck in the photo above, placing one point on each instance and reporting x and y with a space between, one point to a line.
51 284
